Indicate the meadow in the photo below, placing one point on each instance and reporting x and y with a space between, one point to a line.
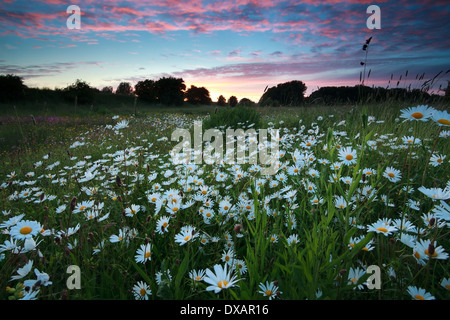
357 186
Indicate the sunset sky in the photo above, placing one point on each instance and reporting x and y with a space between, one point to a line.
230 47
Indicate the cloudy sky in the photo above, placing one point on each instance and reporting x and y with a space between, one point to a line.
233 47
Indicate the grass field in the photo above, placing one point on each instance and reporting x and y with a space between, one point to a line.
357 187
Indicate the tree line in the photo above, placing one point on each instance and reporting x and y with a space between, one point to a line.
171 91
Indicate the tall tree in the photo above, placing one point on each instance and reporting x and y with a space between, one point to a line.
195 95
79 91
12 87
171 91
232 101
124 88
147 91
288 93
221 101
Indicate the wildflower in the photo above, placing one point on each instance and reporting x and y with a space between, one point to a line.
224 206
347 156
197 275
185 236
22 272
316 201
273 238
381 227
419 293
163 276
240 266
173 207
84 205
425 249
340 202
446 283
141 291
61 208
419 113
269 290
121 125
220 279
117 238
41 277
25 229
144 253
442 211
354 275
162 225
437 159
228 257
436 193
392 174
442 118
131 212
292 240
12 221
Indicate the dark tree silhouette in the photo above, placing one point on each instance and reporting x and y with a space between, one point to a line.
12 88
107 89
289 93
124 88
196 95
147 91
81 91
221 101
246 102
232 101
171 91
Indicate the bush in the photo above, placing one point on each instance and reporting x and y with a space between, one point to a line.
12 88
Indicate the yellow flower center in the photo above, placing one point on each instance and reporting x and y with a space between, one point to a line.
382 229
390 174
417 255
175 209
82 208
25 230
434 255
226 207
349 157
417 115
142 292
419 297
444 122
269 292
147 255
222 284
187 238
